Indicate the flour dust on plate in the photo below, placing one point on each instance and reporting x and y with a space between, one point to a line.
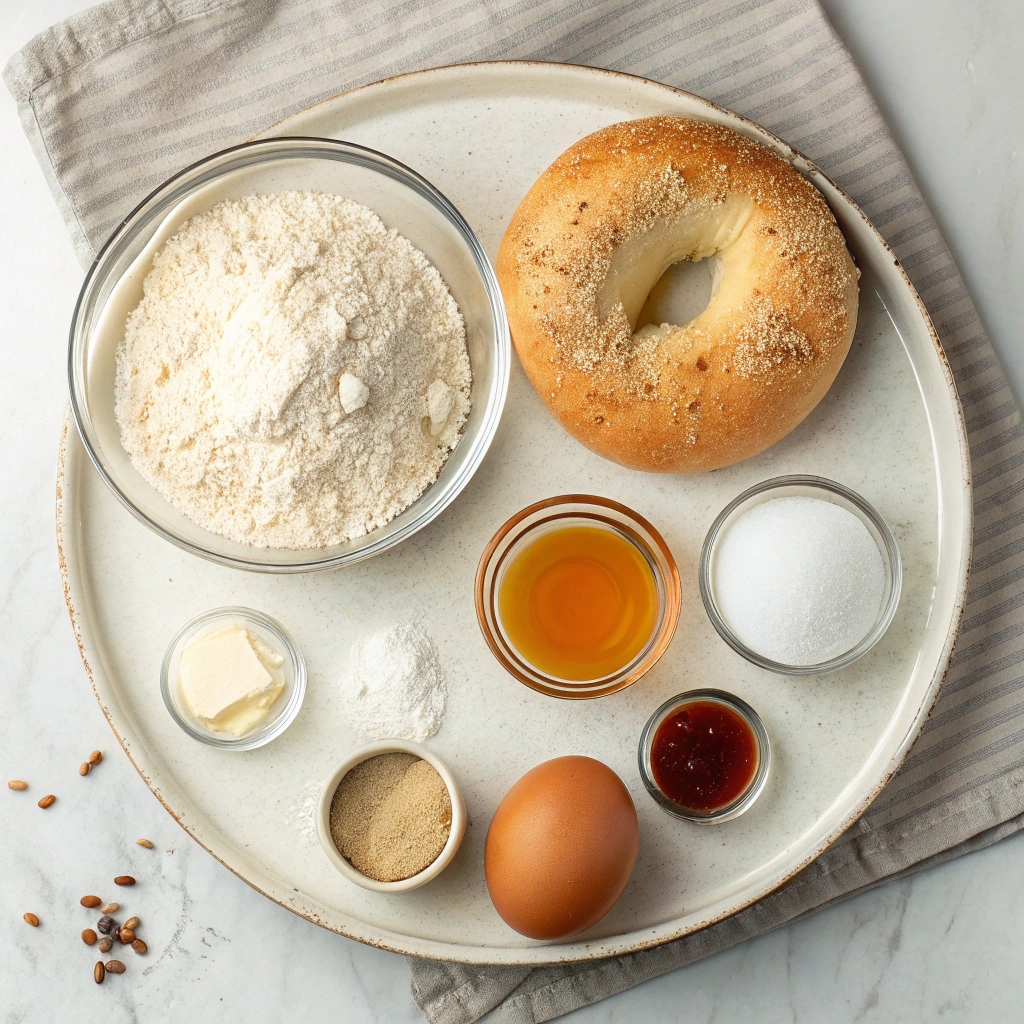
300 815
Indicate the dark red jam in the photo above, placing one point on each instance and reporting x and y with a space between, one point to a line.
704 756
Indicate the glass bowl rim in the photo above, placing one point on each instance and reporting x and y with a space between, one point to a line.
889 550
755 787
669 586
291 147
357 757
274 726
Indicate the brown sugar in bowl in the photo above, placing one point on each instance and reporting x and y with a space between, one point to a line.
443 859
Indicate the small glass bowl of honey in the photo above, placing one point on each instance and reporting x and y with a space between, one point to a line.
577 596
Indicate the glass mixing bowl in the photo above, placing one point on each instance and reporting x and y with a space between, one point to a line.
404 201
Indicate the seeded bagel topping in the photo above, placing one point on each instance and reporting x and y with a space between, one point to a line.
592 239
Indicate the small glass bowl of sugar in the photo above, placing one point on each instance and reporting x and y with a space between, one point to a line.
800 575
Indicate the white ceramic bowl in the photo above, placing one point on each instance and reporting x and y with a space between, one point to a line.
404 201
444 858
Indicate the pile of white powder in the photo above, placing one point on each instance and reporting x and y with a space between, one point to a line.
295 375
393 686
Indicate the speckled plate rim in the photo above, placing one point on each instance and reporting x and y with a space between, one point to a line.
539 76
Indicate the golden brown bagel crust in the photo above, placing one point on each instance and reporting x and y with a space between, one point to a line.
750 367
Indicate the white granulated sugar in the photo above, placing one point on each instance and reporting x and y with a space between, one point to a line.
799 580
302 814
275 382
393 686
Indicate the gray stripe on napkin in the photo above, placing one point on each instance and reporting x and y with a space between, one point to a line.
119 97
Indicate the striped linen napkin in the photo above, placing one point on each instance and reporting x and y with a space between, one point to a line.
117 98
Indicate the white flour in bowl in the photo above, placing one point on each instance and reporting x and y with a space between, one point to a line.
295 375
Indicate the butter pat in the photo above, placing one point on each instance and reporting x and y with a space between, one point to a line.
229 679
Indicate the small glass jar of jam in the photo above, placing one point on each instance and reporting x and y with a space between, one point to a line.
704 756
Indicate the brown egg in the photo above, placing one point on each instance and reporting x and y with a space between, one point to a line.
561 847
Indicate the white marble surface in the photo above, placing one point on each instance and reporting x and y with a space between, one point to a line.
944 944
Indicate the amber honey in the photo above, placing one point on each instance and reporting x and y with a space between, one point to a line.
578 602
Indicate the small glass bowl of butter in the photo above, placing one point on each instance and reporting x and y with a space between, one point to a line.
233 678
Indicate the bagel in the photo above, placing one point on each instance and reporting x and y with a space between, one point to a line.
594 235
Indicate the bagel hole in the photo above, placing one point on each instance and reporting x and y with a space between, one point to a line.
681 294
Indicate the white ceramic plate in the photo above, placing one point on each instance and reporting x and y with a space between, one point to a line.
890 428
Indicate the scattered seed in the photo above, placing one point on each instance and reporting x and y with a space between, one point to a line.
85 769
144 842
105 925
115 967
95 757
106 944
98 972
47 801
124 880
31 919
89 937
110 908
90 901
132 923
139 946
127 936
17 784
